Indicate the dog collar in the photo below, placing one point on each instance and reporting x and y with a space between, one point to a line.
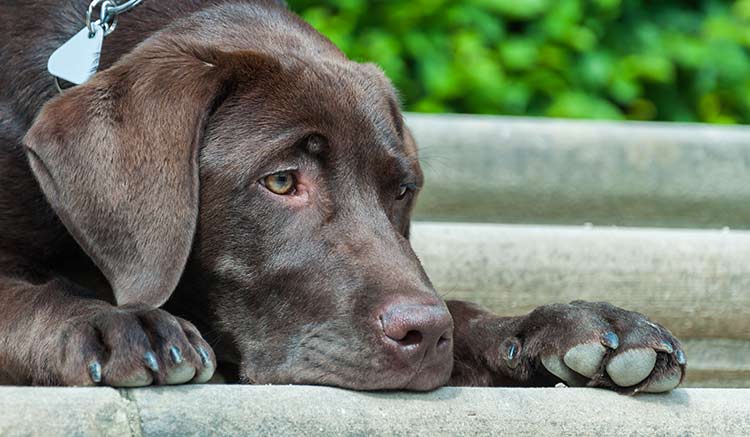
78 58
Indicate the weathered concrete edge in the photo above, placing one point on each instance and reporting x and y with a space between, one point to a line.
679 128
305 410
524 170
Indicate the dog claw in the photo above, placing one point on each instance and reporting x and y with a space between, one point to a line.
680 355
205 358
512 350
176 354
208 370
611 340
150 360
632 366
665 346
95 371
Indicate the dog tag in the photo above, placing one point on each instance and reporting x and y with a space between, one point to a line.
78 59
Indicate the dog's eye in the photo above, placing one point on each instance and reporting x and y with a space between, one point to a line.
282 183
405 189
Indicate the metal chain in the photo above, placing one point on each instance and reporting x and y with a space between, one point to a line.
108 12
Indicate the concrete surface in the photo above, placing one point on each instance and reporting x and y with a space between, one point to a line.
519 170
32 411
716 362
304 410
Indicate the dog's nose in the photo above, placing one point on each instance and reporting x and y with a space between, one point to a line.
417 332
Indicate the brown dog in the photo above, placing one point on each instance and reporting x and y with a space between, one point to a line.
230 165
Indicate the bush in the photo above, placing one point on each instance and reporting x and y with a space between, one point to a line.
672 60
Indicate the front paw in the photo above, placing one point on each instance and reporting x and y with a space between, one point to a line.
131 346
600 345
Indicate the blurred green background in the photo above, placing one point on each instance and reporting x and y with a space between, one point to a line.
670 60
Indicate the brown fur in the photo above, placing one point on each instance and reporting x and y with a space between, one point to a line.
139 189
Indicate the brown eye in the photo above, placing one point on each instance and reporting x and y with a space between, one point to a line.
405 189
282 183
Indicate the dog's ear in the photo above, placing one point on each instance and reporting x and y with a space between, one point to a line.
117 158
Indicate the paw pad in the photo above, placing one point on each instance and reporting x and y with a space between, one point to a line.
632 366
557 367
585 358
666 383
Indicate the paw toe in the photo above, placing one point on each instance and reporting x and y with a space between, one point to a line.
665 383
207 372
557 367
585 358
204 375
632 366
141 378
180 374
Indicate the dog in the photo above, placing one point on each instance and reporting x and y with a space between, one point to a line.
231 195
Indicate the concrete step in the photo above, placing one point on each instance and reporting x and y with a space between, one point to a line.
303 410
518 170
716 362
696 283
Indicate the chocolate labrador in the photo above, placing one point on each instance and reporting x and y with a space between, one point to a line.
228 171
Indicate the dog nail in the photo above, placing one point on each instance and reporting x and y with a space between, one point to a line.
666 346
151 363
95 371
611 340
176 355
680 355
205 358
512 349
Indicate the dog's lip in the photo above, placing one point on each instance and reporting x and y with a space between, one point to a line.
430 375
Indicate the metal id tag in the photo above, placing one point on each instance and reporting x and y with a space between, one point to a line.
78 59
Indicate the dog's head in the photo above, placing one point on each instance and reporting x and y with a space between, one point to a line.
269 181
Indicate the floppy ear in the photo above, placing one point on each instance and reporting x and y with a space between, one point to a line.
117 158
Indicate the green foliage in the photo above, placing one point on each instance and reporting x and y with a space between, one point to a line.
673 60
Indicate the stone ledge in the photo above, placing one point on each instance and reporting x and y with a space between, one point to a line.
522 170
306 410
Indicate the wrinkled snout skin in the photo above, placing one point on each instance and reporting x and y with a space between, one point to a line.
300 284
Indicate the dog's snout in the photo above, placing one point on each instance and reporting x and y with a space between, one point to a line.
417 332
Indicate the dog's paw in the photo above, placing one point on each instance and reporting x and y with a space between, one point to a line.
599 345
132 346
